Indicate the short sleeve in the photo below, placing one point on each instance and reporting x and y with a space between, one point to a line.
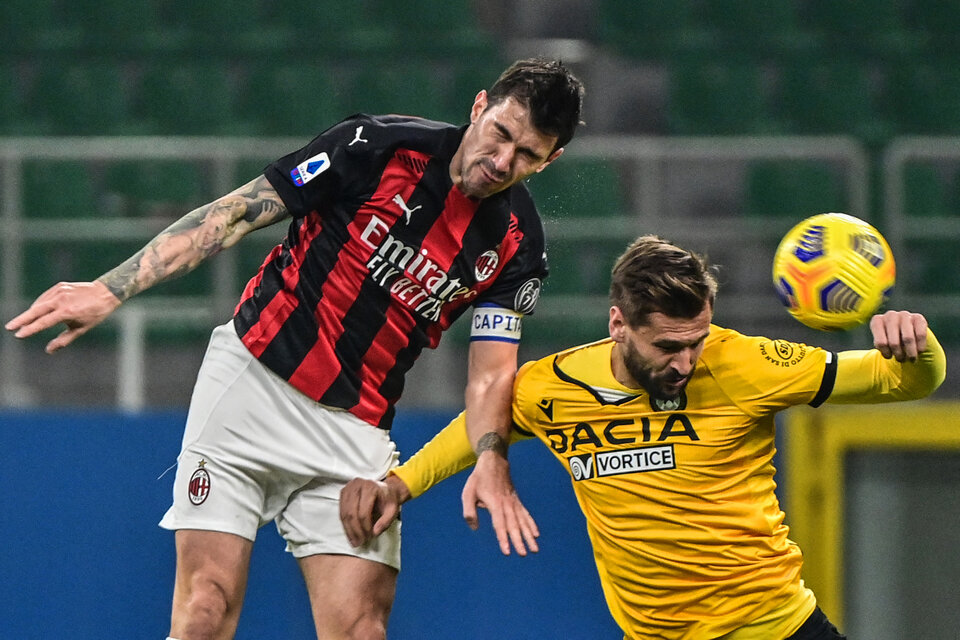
762 375
518 285
329 167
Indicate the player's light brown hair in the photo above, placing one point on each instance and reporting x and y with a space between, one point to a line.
546 87
655 275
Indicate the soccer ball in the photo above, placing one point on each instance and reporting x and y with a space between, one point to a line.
833 271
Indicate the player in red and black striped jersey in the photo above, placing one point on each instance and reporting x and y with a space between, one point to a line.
384 253
398 225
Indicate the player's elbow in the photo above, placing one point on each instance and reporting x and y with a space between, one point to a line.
935 370
923 387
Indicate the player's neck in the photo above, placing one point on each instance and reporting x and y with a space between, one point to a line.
619 368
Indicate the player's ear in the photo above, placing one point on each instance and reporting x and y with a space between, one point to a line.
553 156
616 324
479 104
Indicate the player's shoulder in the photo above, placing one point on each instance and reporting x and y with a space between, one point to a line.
532 374
561 366
727 350
520 195
515 207
531 370
722 339
414 124
724 344
412 132
523 206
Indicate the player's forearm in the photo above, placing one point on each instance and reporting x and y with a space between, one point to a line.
448 453
174 252
867 377
182 246
487 401
491 369
488 417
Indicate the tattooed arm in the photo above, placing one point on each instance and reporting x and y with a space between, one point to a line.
182 246
177 250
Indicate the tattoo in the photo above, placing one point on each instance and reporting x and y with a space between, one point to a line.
182 246
492 441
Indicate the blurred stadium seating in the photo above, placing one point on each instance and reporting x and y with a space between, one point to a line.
871 69
812 186
579 188
877 72
189 67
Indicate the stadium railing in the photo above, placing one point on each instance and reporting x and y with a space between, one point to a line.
924 237
670 187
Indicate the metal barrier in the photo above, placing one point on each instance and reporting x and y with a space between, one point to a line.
901 225
645 160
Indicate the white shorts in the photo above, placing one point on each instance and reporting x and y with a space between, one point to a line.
255 449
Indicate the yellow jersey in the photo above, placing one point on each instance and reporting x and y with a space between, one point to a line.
688 535
687 532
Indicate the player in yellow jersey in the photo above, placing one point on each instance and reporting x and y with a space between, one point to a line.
667 431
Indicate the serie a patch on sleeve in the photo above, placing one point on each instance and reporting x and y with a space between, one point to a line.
496 323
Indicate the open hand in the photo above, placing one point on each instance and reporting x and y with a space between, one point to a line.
79 305
490 487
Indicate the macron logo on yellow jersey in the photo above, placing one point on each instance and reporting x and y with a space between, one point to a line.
546 405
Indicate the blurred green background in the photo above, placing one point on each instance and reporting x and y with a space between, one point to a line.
716 124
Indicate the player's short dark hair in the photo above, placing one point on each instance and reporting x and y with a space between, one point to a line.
654 275
551 92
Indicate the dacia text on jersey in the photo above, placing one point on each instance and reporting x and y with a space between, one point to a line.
619 460
583 433
410 275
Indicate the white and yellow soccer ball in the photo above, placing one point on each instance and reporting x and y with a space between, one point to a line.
833 271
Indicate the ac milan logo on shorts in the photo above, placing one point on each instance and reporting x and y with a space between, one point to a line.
486 265
199 486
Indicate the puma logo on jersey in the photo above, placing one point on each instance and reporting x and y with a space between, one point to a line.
357 138
547 407
407 211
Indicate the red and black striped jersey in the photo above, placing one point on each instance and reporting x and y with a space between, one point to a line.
382 255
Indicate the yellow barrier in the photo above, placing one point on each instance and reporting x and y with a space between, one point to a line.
815 446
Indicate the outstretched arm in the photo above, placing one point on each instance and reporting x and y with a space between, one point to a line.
368 507
907 363
177 250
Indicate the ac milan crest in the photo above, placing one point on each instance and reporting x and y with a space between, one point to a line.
486 265
199 486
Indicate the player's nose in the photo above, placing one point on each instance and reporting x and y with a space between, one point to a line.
503 159
685 361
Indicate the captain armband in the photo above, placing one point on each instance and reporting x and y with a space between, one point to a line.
491 322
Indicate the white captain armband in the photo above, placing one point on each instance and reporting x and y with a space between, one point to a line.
495 323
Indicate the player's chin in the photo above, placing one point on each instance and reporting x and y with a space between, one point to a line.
672 390
484 186
482 190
